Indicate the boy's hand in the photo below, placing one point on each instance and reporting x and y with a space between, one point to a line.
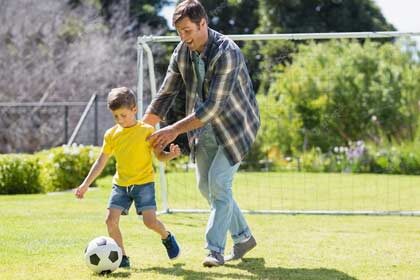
80 191
174 151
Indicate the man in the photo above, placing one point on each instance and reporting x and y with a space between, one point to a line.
222 121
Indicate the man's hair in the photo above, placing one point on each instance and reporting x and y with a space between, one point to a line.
191 9
121 97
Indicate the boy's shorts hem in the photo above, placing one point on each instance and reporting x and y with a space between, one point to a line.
113 206
143 197
151 207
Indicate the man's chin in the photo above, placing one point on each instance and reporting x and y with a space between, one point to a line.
191 47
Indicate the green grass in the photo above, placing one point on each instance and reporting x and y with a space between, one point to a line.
43 236
307 191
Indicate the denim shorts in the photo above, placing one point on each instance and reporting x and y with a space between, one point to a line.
142 195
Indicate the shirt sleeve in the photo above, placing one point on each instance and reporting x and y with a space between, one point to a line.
221 85
150 130
170 87
107 145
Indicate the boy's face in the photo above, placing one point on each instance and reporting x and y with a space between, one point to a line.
194 35
125 117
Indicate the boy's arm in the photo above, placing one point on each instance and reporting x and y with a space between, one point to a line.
161 155
94 172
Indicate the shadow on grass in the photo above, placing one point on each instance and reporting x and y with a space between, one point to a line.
125 274
256 270
256 267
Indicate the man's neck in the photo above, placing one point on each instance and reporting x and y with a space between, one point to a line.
203 47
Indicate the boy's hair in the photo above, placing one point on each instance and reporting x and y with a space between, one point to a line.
121 97
192 9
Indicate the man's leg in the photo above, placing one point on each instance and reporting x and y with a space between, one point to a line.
205 152
222 204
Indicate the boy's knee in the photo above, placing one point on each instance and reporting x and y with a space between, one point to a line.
110 222
150 222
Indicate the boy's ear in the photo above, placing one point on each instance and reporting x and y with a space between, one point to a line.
134 109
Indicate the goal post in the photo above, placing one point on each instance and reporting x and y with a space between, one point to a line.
304 188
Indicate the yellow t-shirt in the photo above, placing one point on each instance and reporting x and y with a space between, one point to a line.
132 152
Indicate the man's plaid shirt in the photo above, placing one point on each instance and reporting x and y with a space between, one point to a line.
229 99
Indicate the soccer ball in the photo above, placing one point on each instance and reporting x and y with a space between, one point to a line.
103 255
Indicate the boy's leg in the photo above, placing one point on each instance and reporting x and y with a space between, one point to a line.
150 221
144 199
112 223
145 202
168 240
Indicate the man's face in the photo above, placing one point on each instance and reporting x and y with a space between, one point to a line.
194 35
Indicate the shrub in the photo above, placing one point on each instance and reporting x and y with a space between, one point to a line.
19 174
65 167
361 158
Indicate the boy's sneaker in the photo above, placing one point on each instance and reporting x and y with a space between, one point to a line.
213 259
171 246
240 249
125 262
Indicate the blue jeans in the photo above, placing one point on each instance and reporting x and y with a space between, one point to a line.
214 176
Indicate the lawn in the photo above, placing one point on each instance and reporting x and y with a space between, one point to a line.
43 236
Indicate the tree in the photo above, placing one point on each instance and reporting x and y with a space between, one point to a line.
315 16
60 51
343 91
232 16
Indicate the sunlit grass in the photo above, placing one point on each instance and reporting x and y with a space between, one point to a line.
43 236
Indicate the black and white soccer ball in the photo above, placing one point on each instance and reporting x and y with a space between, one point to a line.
103 255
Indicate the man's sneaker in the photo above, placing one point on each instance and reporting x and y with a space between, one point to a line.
171 246
213 259
125 262
240 249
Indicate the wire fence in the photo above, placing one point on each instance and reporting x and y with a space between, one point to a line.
30 127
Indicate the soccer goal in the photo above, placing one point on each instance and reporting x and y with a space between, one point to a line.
280 184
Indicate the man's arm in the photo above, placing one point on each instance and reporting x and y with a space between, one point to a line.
222 84
151 119
169 89
162 137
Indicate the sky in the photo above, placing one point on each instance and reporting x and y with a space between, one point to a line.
403 14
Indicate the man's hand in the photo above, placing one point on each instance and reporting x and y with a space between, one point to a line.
162 137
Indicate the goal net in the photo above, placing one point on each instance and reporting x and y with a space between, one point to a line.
339 121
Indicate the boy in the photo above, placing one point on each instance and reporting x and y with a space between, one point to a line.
133 180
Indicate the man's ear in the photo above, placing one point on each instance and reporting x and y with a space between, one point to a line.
203 23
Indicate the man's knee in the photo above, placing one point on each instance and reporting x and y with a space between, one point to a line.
219 189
